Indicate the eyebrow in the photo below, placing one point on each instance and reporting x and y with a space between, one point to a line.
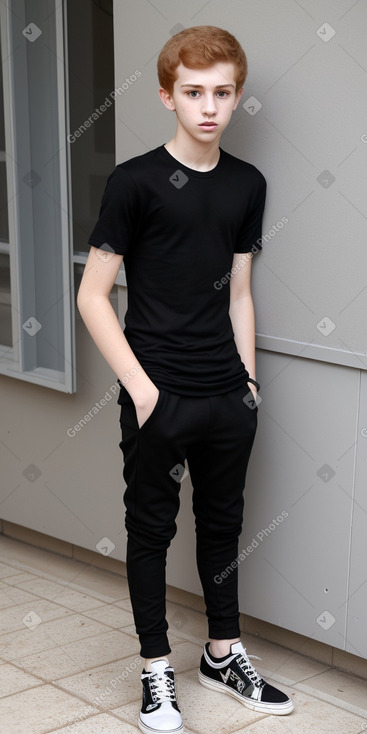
200 86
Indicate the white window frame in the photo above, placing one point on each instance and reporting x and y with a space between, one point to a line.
15 361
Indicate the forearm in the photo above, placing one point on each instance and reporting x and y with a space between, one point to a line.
242 316
105 330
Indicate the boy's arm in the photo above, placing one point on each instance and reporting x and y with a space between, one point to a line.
242 313
103 325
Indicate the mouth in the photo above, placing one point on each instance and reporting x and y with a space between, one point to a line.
208 124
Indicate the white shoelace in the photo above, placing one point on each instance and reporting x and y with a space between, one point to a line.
162 688
244 663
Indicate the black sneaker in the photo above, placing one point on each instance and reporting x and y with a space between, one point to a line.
159 712
235 675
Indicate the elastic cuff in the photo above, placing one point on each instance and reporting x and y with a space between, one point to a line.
224 633
150 649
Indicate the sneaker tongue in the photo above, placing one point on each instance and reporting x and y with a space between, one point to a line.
158 666
236 647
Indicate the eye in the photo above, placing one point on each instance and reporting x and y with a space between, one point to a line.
193 91
222 91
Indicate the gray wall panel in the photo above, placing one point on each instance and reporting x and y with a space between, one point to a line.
356 602
303 464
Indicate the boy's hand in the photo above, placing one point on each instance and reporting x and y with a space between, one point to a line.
145 409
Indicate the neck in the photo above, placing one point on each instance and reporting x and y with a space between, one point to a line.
192 153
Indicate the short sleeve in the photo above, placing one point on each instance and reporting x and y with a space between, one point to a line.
250 234
118 214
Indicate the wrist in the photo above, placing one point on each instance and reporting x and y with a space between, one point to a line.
142 394
139 386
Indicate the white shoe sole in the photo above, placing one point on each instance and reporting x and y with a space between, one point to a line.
149 730
281 709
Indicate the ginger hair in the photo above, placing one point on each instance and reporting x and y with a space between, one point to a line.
200 47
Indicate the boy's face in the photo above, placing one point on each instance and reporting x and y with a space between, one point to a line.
202 96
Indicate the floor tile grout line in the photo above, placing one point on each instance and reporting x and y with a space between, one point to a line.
332 700
43 598
70 585
70 617
18 631
47 680
251 723
338 670
108 710
49 555
92 716
58 646
55 685
78 672
63 582
20 588
38 598
28 688
72 695
314 675
42 682
278 677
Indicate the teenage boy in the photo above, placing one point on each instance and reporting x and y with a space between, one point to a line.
186 219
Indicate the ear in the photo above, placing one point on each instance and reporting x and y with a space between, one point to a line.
166 99
238 97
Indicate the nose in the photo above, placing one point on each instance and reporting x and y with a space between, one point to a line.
209 106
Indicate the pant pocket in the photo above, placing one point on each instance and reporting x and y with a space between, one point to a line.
155 411
128 416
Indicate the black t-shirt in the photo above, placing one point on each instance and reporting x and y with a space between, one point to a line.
178 230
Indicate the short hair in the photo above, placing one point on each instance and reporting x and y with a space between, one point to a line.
200 47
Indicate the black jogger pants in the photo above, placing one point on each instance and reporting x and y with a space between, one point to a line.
215 434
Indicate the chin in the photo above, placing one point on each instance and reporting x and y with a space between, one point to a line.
205 135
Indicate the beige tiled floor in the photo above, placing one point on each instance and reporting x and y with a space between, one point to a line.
69 661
